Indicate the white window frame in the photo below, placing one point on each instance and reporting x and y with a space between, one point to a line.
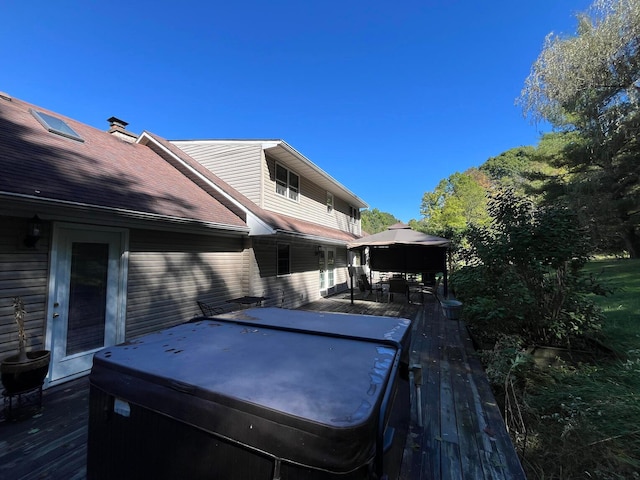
330 202
285 188
354 214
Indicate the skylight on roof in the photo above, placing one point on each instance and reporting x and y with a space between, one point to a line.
56 125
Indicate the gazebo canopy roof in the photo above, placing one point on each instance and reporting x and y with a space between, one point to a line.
399 234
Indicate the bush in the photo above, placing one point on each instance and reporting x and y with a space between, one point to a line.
523 275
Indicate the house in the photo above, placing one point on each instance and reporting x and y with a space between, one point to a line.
108 235
305 215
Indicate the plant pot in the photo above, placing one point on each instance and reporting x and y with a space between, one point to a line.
19 376
452 309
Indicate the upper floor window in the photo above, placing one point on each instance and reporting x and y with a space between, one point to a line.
329 202
354 214
287 183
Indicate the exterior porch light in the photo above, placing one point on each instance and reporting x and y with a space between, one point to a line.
34 229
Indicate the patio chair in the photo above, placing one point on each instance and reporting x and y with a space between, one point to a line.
398 285
376 290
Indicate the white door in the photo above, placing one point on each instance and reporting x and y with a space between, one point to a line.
87 296
322 269
327 264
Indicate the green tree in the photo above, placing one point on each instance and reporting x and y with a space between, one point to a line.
588 85
374 221
510 169
457 202
523 169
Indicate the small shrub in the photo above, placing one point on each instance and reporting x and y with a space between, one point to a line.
507 360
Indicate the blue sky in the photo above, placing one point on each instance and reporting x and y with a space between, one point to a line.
387 97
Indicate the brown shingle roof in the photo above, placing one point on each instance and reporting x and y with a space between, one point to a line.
296 226
102 171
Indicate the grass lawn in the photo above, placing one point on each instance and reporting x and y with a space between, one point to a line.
584 419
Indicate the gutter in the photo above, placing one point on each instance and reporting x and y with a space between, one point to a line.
123 212
284 145
315 238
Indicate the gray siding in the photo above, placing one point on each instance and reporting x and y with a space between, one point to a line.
169 272
23 272
238 165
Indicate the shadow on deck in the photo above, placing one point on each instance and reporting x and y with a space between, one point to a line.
461 435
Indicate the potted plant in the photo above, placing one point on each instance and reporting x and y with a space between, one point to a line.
25 370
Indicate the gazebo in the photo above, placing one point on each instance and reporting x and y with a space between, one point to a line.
403 250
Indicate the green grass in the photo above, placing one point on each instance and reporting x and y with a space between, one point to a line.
584 420
622 307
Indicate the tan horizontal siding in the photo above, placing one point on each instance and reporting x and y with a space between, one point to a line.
236 164
23 272
169 273
311 205
241 167
303 284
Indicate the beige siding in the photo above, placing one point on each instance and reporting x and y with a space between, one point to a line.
237 164
168 273
23 272
343 218
303 284
251 172
311 205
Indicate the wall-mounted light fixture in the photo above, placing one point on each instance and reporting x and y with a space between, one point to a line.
318 250
34 232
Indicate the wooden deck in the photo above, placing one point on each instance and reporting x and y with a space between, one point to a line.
461 435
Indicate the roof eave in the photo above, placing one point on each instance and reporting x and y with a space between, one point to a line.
256 225
318 175
313 238
125 213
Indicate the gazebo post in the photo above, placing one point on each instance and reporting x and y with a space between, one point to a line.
445 283
350 270
351 275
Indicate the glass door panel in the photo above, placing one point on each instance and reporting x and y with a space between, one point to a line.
331 265
87 296
322 268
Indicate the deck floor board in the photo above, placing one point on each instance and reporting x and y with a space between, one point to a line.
461 436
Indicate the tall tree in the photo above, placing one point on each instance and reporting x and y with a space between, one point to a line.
457 202
589 84
374 221
523 169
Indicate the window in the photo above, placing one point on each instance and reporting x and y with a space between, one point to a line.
287 183
56 125
354 214
284 259
329 202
